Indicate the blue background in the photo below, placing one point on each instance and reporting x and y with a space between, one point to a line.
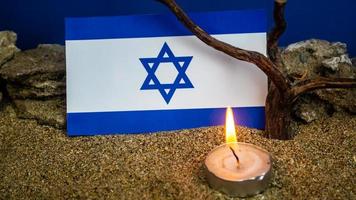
42 21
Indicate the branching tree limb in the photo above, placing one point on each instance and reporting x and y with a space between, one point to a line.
282 93
278 29
265 64
321 83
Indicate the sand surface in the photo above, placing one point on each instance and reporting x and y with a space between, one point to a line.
39 162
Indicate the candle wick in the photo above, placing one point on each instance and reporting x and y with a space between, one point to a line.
235 155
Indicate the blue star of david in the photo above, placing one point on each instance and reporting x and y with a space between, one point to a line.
166 56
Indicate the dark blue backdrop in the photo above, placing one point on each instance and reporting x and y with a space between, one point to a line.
42 21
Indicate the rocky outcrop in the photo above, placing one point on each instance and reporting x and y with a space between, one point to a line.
314 58
319 58
340 99
7 46
48 112
310 108
36 73
35 82
7 51
353 60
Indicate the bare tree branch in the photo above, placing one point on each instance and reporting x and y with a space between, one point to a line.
320 83
261 61
278 29
282 94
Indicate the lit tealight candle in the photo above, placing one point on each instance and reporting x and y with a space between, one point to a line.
238 169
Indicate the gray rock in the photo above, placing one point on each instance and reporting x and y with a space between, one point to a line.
339 66
35 81
353 60
318 58
7 38
36 73
39 90
309 109
49 112
334 63
341 99
7 46
305 59
47 61
319 48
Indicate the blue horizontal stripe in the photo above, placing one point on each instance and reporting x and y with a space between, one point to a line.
158 120
164 25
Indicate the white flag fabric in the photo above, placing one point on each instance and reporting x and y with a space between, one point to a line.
148 73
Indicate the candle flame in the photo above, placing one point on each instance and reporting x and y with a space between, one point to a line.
230 131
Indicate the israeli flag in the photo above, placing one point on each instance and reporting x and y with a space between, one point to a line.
148 73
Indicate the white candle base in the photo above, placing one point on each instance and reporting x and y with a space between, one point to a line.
250 178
